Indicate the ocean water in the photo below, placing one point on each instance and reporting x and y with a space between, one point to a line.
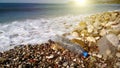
23 23
21 11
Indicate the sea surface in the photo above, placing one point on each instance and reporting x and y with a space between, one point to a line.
21 11
27 23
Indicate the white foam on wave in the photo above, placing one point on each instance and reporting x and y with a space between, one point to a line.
35 31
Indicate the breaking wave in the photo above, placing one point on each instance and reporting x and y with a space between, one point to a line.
34 31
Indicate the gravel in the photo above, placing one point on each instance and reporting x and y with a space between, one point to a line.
35 56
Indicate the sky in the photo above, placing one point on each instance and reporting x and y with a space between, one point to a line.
45 1
33 1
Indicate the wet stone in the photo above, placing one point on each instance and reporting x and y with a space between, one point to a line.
50 57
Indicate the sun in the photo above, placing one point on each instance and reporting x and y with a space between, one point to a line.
80 2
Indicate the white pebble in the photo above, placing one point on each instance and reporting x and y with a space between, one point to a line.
99 56
50 57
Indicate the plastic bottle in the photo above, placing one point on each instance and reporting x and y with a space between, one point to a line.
67 44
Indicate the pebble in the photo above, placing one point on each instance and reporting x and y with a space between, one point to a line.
74 59
50 57
20 66
119 36
60 58
72 64
2 59
118 64
65 63
118 47
75 34
118 55
99 56
91 39
67 66
58 52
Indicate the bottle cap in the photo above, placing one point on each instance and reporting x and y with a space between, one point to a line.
85 54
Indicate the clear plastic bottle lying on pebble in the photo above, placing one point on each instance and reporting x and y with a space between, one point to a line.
67 44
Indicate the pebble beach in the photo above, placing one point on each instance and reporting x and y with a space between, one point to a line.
98 34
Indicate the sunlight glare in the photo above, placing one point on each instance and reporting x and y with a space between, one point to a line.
80 2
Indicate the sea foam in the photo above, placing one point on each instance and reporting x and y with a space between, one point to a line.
35 31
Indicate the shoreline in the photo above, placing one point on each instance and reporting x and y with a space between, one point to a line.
51 55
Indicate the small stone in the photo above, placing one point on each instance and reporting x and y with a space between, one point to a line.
56 47
104 65
82 25
118 64
118 47
99 56
60 58
72 67
8 65
97 38
50 57
62 67
91 39
90 28
58 52
67 66
84 33
103 32
75 34
2 59
49 67
119 36
65 63
20 66
74 59
109 24
118 55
